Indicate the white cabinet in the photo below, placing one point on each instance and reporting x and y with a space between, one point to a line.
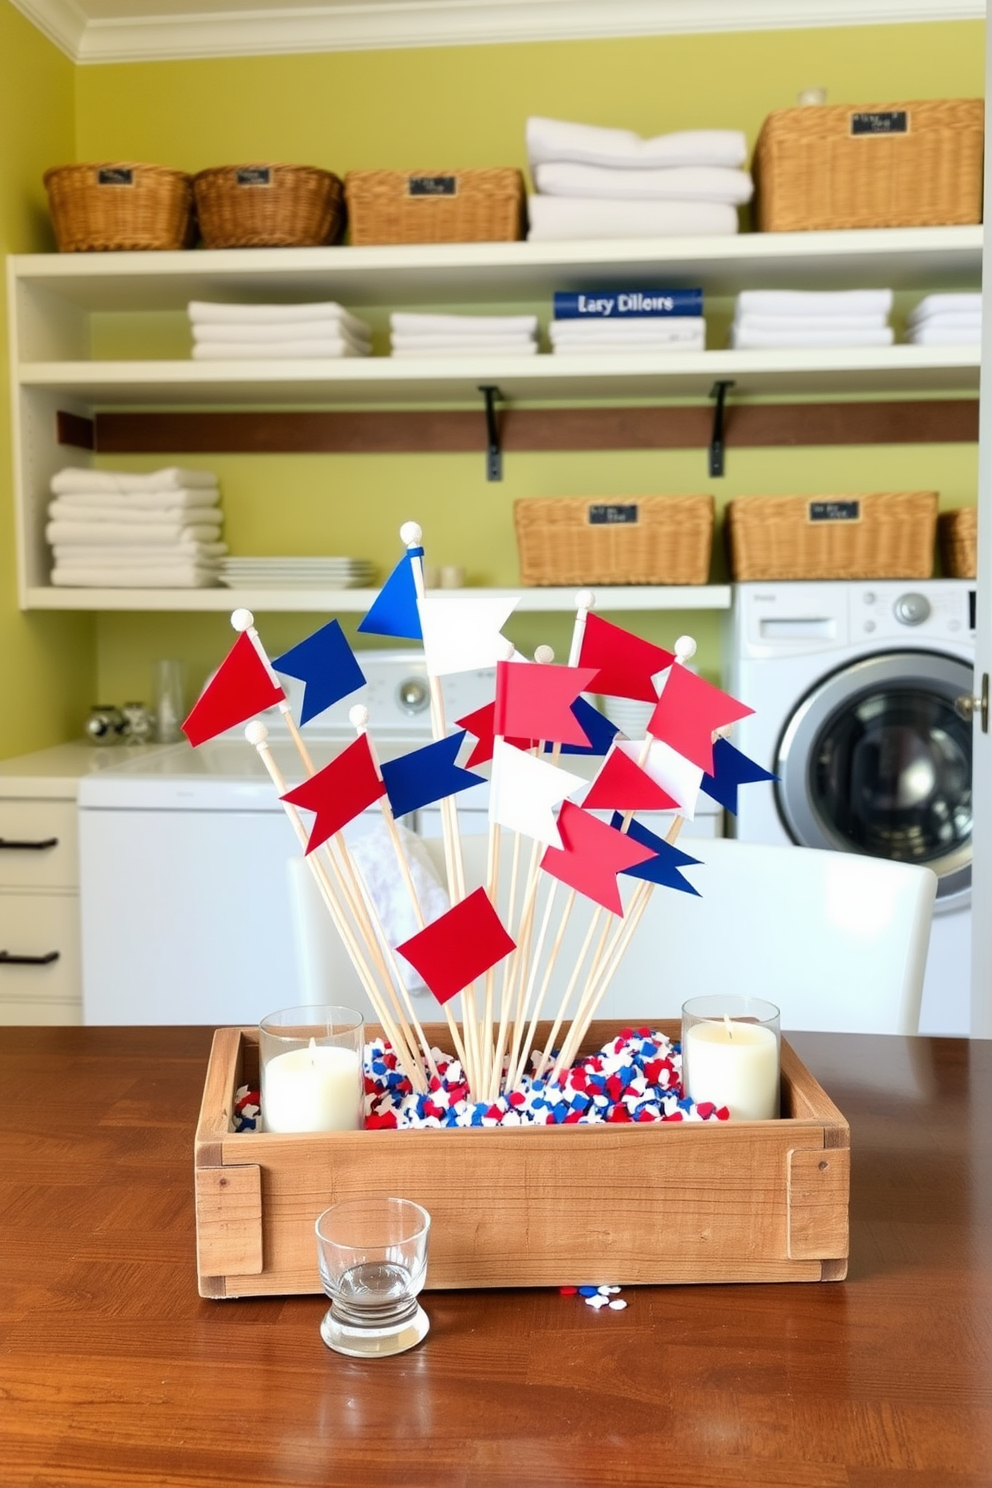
40 970
54 301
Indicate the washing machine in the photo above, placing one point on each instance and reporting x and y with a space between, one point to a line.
854 686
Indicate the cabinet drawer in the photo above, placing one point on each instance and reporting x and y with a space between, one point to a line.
54 866
36 925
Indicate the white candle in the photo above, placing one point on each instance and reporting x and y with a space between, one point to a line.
736 1065
314 1089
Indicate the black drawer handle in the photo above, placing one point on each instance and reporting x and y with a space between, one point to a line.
29 846
6 959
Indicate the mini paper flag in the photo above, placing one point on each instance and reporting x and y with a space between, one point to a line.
524 790
622 785
327 667
625 663
462 635
687 713
731 769
535 702
425 775
394 610
339 792
664 867
676 775
459 946
240 688
480 725
592 855
595 725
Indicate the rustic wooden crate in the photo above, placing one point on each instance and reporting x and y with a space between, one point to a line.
532 1206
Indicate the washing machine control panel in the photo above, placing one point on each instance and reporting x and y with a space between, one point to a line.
884 611
911 609
776 621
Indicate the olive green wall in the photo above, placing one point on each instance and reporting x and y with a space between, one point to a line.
449 107
47 662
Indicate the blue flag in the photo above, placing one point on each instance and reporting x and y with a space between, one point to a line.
731 769
327 666
664 867
394 610
595 725
427 775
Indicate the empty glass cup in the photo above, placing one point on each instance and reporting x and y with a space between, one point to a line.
373 1263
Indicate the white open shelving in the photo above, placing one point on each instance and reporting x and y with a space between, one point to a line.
52 299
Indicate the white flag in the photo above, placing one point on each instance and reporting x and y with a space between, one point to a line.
673 772
461 635
524 791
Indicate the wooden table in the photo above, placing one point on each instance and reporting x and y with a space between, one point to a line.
114 1373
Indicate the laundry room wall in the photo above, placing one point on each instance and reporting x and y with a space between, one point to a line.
47 662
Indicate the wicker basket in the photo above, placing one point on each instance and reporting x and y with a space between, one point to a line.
469 206
120 205
268 206
636 540
886 535
876 165
957 540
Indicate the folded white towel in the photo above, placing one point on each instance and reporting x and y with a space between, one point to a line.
564 218
814 302
276 351
135 503
316 330
158 535
172 478
400 342
556 139
208 554
757 322
945 304
629 348
169 576
466 348
681 183
202 312
742 339
931 333
109 510
651 328
405 322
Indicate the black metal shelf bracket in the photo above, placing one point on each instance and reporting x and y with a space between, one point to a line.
494 452
719 392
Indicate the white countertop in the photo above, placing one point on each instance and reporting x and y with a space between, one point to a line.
54 774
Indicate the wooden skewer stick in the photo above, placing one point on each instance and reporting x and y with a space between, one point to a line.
257 735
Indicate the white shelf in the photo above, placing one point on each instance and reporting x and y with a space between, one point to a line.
357 601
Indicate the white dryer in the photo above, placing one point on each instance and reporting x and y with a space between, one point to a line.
854 686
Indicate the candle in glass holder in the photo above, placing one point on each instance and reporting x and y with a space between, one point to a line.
730 1055
311 1070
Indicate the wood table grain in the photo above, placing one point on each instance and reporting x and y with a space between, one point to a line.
114 1373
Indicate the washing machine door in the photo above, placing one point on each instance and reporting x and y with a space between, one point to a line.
876 760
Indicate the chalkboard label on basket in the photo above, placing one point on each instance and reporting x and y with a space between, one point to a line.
253 175
115 175
432 186
611 515
834 511
891 121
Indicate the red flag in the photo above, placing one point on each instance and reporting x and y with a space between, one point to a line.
625 663
688 712
239 689
535 701
459 946
592 856
621 785
480 725
339 791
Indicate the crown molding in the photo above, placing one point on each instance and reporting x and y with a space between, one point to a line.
367 25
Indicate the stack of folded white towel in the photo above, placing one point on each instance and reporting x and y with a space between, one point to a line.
611 183
946 320
462 335
627 320
117 531
789 317
276 332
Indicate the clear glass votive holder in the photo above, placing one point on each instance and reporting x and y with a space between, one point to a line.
731 1046
372 1254
310 1063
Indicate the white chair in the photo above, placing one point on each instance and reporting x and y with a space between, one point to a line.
837 941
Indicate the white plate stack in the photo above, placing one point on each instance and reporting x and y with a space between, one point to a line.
297 573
